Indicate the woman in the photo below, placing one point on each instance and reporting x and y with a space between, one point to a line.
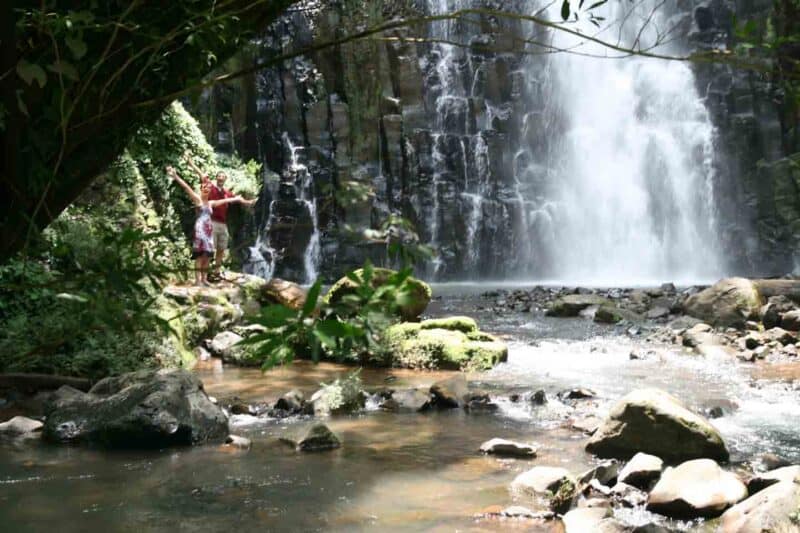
203 243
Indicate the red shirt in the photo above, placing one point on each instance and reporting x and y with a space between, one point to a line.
219 213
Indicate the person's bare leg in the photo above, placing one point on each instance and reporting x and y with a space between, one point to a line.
218 258
198 268
204 270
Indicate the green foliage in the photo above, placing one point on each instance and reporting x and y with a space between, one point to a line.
243 178
347 329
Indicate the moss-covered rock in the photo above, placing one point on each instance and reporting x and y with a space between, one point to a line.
419 298
449 343
611 314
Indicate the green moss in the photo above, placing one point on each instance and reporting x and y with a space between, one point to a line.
419 345
456 323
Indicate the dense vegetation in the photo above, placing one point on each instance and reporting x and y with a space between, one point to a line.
82 300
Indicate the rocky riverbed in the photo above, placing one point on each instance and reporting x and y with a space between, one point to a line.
406 454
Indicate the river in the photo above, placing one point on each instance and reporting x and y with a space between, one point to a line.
398 472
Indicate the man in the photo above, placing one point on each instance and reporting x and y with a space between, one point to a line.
219 215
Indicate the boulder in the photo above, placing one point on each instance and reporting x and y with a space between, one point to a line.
657 312
407 400
791 320
342 396
317 438
642 470
224 346
767 479
573 304
774 509
585 519
697 488
729 302
605 473
419 295
508 448
698 335
779 335
448 343
145 409
20 425
286 293
240 443
293 402
542 481
451 392
611 314
654 422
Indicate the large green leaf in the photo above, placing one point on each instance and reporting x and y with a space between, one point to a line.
311 298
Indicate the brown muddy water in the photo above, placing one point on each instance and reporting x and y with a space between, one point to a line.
395 472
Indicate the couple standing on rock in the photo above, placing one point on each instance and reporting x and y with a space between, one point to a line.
210 228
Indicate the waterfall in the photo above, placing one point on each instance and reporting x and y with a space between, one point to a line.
630 170
304 192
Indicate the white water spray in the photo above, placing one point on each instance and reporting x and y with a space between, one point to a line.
632 172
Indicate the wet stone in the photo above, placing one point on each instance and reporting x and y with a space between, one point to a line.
508 448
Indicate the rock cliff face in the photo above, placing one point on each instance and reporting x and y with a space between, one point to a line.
758 138
456 139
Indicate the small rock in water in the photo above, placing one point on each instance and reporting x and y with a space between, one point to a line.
292 402
772 461
585 519
20 425
587 425
508 448
407 400
605 473
235 441
242 409
318 438
479 401
716 412
628 495
641 471
539 398
576 394
540 480
514 398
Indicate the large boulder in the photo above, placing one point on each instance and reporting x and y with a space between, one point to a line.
729 302
448 343
656 423
697 488
414 305
287 293
774 509
145 409
573 304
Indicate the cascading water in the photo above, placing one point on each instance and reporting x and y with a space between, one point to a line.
630 172
304 192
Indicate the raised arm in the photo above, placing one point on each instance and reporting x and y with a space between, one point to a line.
203 177
193 195
231 200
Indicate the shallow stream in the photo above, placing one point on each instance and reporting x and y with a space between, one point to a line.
398 472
